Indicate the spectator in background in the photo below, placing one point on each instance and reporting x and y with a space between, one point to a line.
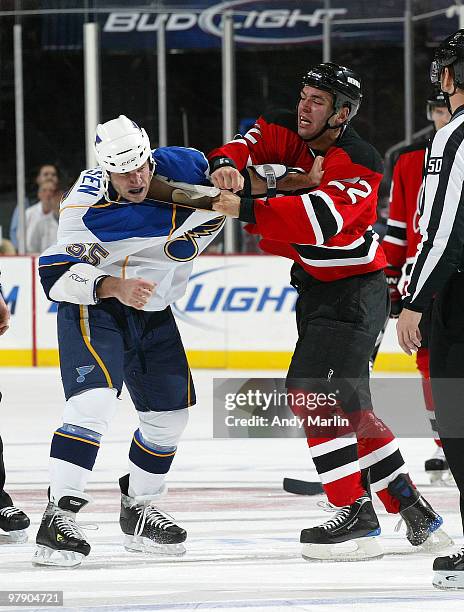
42 218
47 172
6 247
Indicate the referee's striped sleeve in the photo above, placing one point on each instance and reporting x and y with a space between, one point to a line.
442 220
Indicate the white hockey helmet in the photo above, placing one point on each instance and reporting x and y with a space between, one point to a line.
122 146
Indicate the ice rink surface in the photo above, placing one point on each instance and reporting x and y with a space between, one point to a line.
243 546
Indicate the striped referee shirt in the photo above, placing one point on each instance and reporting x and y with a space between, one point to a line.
440 252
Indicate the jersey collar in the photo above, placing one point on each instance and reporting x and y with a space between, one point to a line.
457 112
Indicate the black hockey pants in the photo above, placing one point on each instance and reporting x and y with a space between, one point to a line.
338 324
2 466
447 373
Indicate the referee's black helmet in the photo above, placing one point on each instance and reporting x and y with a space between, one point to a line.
449 54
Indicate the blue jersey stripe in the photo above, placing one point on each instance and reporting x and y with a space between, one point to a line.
62 258
148 219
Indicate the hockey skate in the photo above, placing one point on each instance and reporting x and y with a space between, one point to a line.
13 521
438 471
449 571
59 540
422 522
148 529
349 536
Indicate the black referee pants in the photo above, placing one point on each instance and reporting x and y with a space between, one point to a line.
2 465
447 373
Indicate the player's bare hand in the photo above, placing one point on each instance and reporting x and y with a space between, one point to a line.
407 329
4 317
227 203
227 177
135 292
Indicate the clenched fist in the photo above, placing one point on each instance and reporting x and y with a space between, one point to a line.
227 177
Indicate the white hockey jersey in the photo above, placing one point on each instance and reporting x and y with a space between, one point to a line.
151 240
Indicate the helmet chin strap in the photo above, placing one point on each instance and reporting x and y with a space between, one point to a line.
447 97
106 184
152 165
106 187
326 127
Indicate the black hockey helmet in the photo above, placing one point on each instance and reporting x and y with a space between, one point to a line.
435 100
341 82
449 53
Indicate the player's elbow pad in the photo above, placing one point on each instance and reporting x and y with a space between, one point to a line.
77 285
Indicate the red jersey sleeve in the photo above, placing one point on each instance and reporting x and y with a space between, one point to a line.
345 201
395 241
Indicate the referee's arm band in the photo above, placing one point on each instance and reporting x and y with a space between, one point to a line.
247 210
415 307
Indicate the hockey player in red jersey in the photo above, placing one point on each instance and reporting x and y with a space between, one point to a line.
342 304
400 247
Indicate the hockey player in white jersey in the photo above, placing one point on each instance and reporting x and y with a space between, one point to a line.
121 258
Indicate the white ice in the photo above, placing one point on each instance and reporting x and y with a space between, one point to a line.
243 550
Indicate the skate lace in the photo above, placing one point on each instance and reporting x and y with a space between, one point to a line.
152 516
9 511
459 553
68 526
340 516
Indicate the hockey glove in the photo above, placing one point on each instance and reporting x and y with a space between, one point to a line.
393 275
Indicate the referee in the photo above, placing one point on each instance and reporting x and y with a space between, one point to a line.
438 272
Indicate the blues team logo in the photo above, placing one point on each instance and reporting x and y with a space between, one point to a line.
185 248
83 371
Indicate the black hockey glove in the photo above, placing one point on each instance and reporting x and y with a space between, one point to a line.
393 278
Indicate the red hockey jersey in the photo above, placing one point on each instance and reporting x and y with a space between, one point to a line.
327 230
403 235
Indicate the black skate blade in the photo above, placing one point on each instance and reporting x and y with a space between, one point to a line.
302 487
